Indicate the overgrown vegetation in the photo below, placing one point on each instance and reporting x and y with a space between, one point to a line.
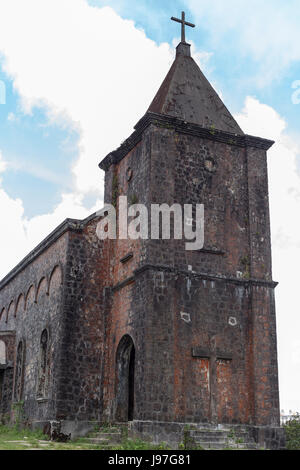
115 191
188 442
292 429
133 200
18 414
246 267
14 438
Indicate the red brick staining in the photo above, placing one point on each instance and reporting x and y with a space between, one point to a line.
42 289
6 372
143 330
26 289
20 308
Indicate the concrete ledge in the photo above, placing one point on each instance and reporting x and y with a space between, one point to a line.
172 433
208 277
272 438
268 438
180 126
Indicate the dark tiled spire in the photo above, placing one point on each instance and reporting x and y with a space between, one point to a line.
187 94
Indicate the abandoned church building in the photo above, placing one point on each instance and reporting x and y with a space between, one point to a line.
145 332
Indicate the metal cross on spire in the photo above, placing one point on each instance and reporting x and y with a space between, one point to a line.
183 25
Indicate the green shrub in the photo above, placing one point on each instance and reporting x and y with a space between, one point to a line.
292 430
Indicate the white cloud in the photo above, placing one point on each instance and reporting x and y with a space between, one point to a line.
11 117
3 164
296 353
266 30
19 235
284 187
39 227
86 66
89 69
12 232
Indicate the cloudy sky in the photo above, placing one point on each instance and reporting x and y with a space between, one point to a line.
78 75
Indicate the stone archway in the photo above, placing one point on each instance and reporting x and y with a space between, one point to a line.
124 395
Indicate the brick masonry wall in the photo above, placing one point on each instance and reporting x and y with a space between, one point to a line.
82 341
170 384
121 318
203 327
6 372
168 312
30 303
191 170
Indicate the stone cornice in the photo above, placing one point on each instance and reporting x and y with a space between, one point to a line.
126 282
182 127
208 277
72 225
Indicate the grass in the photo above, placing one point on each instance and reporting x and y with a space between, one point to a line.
12 438
15 438
138 444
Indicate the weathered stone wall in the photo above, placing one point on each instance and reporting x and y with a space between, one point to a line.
131 177
7 338
202 323
187 169
171 384
61 291
30 302
79 395
263 313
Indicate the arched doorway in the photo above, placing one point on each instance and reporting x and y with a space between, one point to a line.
125 361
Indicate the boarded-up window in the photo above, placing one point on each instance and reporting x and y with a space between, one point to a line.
19 376
201 398
2 353
20 306
42 289
30 298
55 280
44 366
225 385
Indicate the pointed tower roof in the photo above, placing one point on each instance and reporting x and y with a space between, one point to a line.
188 103
186 94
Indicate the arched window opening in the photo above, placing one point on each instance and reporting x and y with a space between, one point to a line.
43 366
2 353
19 376
125 364
2 363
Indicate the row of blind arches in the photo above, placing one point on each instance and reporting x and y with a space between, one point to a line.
24 300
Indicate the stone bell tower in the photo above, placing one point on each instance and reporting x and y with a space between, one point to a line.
191 335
